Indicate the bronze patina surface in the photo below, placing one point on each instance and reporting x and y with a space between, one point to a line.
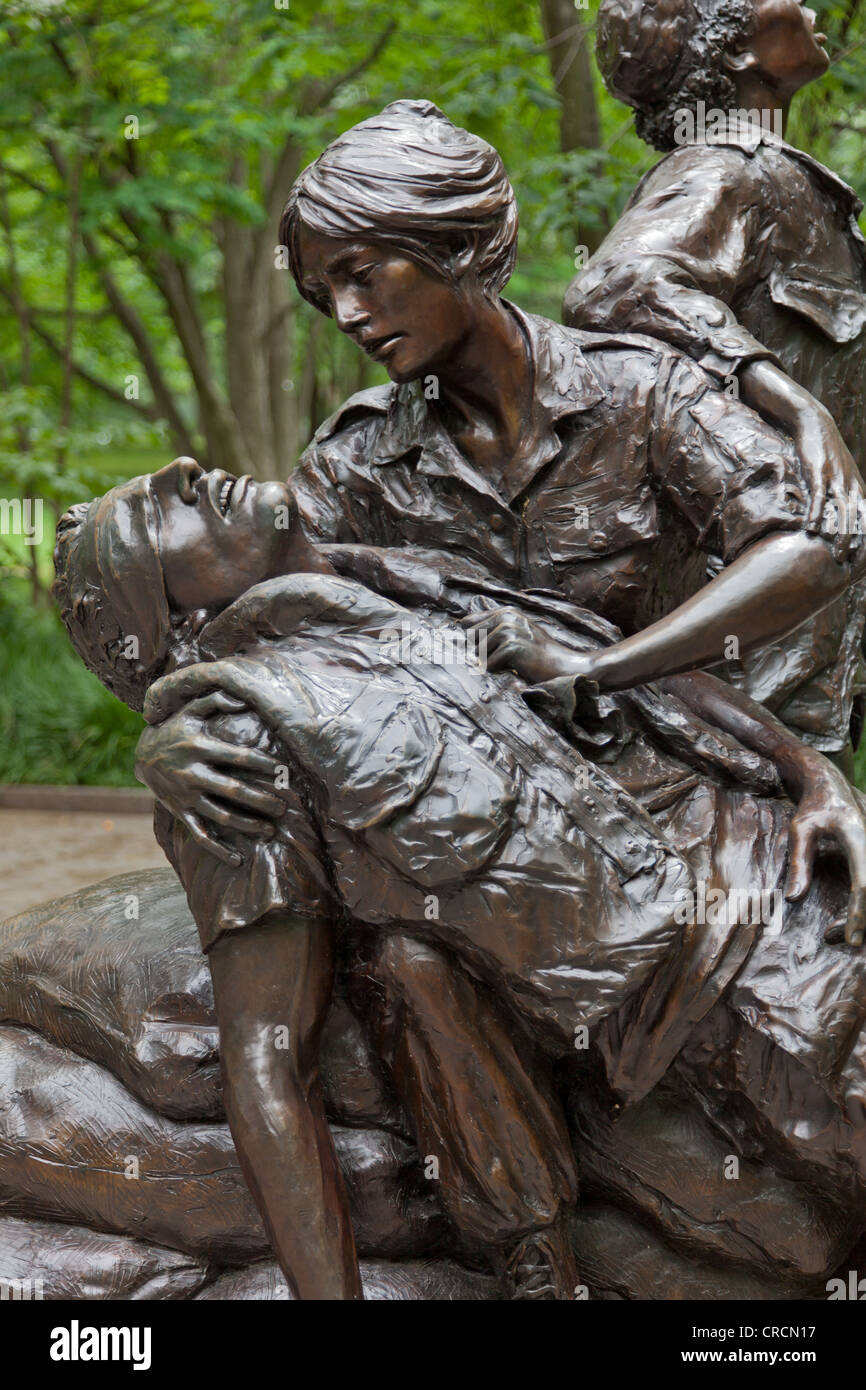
510 859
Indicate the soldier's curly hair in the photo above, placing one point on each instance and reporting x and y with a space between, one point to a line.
662 57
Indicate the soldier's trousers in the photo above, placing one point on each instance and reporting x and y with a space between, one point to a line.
486 1119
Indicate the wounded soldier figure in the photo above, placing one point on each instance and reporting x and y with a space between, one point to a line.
509 863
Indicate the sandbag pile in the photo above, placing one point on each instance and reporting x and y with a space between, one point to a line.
48 1260
119 1178
115 973
383 1281
118 1175
622 1258
670 1206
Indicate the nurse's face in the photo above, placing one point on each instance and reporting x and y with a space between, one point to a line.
402 314
788 50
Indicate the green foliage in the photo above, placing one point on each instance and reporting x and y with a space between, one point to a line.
57 723
829 118
214 92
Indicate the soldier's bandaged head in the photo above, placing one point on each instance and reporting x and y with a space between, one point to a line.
111 589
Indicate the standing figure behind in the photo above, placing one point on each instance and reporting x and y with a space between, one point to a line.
745 253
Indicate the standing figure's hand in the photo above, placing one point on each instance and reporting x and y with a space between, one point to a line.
200 778
837 508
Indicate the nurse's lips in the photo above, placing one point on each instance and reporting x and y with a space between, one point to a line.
380 347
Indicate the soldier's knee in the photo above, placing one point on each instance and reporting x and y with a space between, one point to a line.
401 958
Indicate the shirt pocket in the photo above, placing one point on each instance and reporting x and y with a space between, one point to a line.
588 524
457 823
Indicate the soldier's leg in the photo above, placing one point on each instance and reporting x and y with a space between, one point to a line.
272 986
481 1106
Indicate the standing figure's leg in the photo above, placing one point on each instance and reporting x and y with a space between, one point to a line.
272 987
487 1115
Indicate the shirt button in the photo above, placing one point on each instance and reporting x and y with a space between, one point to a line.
597 541
497 521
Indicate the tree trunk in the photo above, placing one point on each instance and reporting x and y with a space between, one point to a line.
284 393
571 68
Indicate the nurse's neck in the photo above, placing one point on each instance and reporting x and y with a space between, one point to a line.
485 388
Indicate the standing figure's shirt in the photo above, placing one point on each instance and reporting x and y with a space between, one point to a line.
643 469
734 251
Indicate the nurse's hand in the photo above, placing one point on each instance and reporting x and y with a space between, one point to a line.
509 641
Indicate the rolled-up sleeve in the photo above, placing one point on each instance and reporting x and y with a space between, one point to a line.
287 872
732 475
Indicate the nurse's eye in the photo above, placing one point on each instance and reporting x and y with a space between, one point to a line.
362 274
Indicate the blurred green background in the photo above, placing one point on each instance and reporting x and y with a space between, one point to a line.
147 149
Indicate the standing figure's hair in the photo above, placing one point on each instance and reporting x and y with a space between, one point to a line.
663 56
411 179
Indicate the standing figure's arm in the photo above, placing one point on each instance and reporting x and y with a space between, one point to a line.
735 480
695 233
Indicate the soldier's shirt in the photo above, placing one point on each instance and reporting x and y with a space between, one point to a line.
643 469
427 798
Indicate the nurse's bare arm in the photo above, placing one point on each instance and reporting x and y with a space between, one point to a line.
773 587
767 592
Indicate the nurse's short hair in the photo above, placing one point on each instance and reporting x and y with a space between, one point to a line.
411 179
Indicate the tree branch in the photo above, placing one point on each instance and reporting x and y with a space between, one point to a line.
30 182
132 323
149 412
320 94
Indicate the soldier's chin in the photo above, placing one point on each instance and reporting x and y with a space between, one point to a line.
270 507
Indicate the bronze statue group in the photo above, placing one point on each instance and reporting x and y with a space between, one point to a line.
500 856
